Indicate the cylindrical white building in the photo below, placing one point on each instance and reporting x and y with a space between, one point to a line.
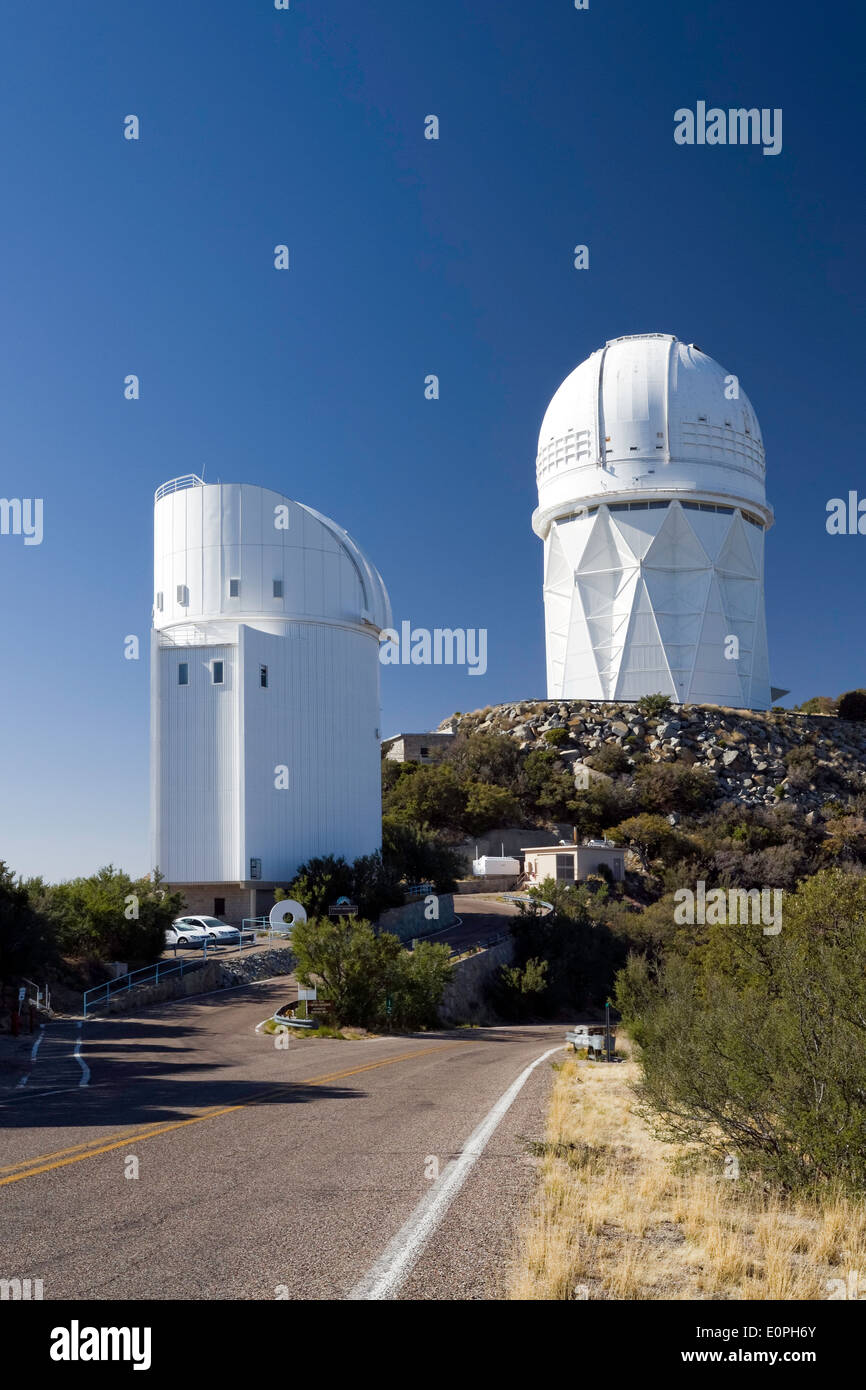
652 509
264 693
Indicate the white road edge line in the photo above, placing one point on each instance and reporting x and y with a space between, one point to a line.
385 1277
26 1077
76 1052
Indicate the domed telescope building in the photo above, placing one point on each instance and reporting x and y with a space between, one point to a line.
652 509
264 693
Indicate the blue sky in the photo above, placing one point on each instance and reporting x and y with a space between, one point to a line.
408 257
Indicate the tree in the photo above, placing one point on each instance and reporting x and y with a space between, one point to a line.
320 882
544 787
27 938
651 837
488 806
493 758
846 839
853 705
109 916
360 971
520 988
430 796
818 704
418 858
673 787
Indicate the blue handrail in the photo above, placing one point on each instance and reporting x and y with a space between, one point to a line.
100 994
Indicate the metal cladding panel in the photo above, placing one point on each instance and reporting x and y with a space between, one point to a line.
651 605
195 767
206 535
318 717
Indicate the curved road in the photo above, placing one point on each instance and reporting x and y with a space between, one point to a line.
181 1155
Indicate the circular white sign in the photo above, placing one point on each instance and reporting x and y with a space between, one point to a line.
288 911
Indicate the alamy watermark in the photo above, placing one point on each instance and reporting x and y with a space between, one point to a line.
735 126
22 516
730 907
444 646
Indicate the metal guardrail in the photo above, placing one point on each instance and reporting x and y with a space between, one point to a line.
261 927
152 974
41 998
178 485
148 974
458 951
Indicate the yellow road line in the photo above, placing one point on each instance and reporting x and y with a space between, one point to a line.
44 1163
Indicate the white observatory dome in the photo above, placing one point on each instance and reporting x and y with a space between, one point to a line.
265 693
652 507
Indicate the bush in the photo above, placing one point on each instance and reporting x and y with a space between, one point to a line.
556 737
651 837
428 796
672 787
853 706
110 916
320 882
818 704
488 806
571 952
369 881
653 706
28 940
753 1044
418 858
610 759
545 788
361 971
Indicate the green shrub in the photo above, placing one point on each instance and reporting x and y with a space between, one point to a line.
653 706
610 759
369 978
556 737
753 1044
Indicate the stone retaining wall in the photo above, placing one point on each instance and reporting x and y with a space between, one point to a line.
216 974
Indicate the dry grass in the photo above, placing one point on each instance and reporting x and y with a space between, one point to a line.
617 1217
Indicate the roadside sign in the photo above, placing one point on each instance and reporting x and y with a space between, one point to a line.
343 908
306 994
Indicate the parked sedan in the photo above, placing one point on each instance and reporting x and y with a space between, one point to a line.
217 932
186 932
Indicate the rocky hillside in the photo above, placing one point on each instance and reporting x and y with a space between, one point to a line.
758 758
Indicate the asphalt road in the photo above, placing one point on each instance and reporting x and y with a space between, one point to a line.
304 1172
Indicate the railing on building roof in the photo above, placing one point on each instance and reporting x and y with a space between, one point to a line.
178 485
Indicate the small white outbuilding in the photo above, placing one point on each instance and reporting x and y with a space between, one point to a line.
495 865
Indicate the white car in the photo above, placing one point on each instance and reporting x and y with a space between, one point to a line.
217 931
186 932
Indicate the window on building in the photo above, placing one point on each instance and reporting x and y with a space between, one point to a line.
182 595
183 673
278 588
424 752
217 670
159 600
234 588
219 907
263 677
565 867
